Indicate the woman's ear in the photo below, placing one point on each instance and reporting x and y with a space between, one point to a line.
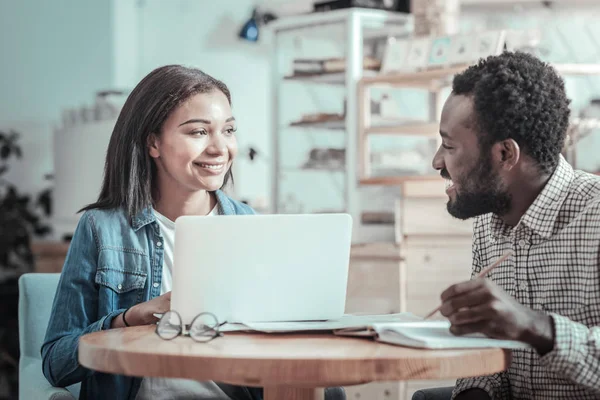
153 146
506 153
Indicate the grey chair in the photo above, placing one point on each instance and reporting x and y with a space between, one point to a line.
440 393
36 294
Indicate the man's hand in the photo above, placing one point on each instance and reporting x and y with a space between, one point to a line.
481 306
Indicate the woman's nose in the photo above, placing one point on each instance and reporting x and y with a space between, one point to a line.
217 144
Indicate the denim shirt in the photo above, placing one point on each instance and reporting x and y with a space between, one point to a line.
112 264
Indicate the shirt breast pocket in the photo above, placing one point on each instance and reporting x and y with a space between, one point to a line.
121 278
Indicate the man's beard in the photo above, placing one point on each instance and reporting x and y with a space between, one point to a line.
481 192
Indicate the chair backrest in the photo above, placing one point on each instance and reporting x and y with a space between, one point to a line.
36 295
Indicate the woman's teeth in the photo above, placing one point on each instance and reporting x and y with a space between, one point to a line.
211 166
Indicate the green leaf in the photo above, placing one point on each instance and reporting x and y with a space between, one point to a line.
5 151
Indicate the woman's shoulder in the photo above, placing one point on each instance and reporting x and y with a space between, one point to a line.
230 206
102 215
108 221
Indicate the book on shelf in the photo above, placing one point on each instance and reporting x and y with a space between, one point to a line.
401 329
318 117
312 66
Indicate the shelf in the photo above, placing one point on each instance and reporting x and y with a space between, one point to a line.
424 78
577 69
376 23
396 180
381 127
334 124
414 128
331 78
312 169
417 79
377 218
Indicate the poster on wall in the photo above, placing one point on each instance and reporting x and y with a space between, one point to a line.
395 55
418 53
488 43
461 50
440 49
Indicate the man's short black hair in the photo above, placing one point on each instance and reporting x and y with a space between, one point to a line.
517 96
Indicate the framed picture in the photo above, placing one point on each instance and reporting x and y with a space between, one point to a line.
418 53
462 50
488 43
439 52
396 52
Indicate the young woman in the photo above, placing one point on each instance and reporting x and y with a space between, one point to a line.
169 155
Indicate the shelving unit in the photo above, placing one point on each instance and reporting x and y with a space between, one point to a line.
433 81
352 30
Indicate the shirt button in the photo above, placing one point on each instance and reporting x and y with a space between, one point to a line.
119 286
522 243
522 286
155 284
159 244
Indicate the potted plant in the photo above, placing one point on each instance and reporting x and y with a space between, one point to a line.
21 218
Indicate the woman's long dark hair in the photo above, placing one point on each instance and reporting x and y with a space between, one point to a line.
129 171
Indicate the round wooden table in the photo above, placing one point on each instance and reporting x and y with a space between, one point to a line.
288 366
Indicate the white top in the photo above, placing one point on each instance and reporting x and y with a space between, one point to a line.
167 230
174 388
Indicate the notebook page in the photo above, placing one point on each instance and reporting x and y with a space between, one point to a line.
437 335
345 322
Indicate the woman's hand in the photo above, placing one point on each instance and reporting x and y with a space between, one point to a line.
143 313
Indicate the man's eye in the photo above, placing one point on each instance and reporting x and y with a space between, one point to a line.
446 146
230 131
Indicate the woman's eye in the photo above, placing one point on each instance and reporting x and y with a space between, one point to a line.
230 131
199 132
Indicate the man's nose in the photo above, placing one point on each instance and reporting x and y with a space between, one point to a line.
438 161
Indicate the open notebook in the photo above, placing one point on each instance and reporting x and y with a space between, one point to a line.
403 329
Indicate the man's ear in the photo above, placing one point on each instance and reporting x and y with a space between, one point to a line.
506 153
153 145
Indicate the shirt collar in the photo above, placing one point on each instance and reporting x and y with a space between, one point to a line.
541 216
147 216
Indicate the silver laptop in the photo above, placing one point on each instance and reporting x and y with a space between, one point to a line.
257 268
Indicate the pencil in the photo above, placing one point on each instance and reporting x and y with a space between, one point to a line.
483 273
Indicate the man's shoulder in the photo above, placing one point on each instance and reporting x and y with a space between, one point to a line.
584 195
585 187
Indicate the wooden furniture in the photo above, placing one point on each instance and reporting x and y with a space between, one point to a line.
436 249
433 82
383 278
49 255
289 366
374 279
349 35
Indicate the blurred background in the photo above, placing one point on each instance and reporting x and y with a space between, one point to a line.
334 116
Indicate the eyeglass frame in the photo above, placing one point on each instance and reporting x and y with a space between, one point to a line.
184 329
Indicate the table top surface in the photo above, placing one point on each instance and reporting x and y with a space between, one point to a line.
256 359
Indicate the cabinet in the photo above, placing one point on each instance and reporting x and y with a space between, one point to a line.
314 126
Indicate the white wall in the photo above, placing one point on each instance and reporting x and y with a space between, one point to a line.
54 54
203 34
